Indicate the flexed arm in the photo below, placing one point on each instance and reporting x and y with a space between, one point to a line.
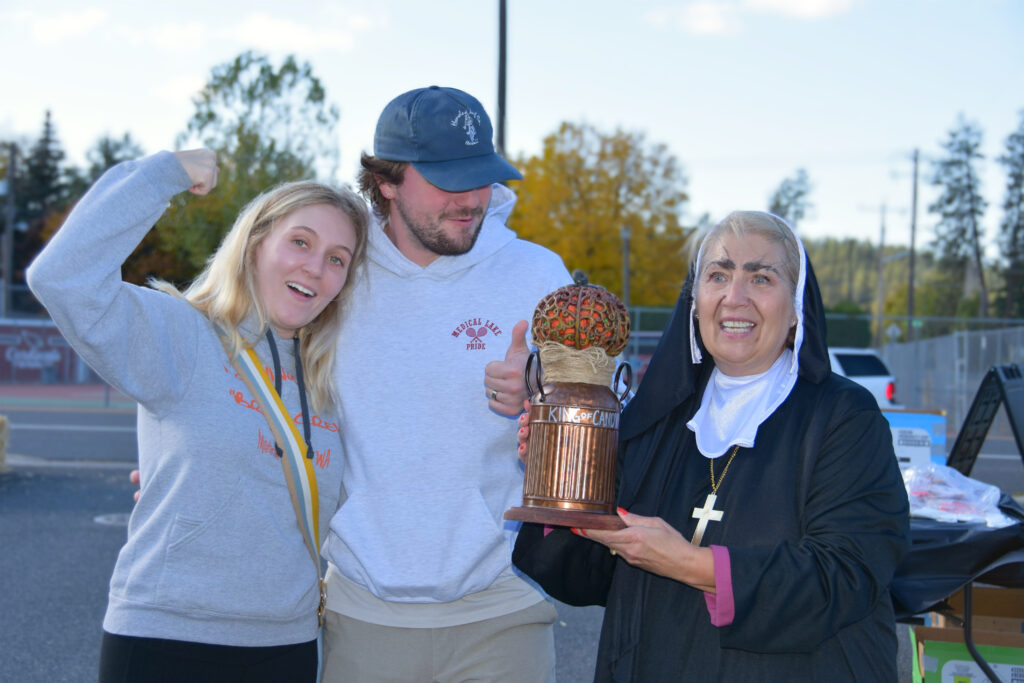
139 340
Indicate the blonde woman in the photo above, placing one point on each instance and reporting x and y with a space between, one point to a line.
215 580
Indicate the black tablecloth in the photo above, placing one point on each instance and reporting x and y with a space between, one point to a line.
945 556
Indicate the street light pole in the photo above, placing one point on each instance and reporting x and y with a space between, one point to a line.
913 231
7 239
881 282
501 77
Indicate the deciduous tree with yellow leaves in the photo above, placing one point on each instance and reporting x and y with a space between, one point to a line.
585 187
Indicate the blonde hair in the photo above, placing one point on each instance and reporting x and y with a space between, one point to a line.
225 290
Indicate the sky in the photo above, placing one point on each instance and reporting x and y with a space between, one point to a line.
742 92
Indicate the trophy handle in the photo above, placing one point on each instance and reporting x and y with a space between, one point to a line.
540 384
618 374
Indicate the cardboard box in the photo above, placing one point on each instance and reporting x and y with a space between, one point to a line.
995 609
942 656
997 628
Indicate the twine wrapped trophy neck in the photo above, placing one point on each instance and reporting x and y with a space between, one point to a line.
561 363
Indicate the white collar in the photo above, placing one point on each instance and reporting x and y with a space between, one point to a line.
732 408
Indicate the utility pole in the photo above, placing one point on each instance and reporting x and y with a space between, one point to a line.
7 239
881 282
913 234
501 77
624 234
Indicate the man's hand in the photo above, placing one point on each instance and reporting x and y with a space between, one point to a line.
504 380
133 477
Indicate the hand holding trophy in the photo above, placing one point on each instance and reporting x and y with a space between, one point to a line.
574 414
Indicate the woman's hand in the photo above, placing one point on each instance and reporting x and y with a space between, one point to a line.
133 477
524 431
201 166
653 544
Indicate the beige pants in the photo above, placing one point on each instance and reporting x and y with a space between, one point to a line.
515 648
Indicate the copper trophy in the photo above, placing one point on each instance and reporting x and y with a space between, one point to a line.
574 414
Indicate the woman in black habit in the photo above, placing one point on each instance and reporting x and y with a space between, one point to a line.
766 511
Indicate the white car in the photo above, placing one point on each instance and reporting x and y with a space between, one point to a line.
866 367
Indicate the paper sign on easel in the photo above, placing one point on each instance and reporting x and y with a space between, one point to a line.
918 437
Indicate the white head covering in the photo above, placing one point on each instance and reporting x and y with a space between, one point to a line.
732 408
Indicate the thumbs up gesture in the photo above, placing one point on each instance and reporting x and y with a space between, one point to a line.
503 379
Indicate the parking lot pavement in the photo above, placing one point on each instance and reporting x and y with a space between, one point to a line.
63 395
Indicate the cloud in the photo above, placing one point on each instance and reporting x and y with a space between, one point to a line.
336 13
274 33
189 37
704 17
800 9
726 17
178 89
51 29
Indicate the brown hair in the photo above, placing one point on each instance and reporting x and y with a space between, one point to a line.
374 171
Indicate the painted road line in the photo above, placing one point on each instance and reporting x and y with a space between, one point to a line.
73 428
15 460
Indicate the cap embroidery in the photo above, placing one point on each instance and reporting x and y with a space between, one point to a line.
469 120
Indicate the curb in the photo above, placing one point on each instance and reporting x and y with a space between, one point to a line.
11 403
15 461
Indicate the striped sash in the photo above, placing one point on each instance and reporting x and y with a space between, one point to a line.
298 469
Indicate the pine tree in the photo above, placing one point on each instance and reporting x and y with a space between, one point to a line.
960 207
1011 229
790 200
41 192
107 151
42 182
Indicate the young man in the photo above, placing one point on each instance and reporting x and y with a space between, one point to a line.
430 375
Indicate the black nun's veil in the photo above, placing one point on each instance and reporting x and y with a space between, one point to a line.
671 377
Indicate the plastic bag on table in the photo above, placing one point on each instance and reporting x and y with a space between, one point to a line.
944 494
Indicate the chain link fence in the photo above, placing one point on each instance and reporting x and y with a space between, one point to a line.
944 373
939 373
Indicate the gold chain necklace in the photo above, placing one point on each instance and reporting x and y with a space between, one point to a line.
708 513
711 461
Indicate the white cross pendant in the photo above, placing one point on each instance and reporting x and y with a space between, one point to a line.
706 514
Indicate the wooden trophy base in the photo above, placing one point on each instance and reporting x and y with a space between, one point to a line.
580 519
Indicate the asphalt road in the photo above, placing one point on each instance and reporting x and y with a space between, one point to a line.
63 505
108 435
61 526
91 434
56 564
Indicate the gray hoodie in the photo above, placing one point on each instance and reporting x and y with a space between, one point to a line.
430 469
214 553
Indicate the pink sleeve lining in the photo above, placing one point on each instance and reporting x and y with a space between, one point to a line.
721 607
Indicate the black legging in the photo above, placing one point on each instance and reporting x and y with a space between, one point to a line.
125 659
